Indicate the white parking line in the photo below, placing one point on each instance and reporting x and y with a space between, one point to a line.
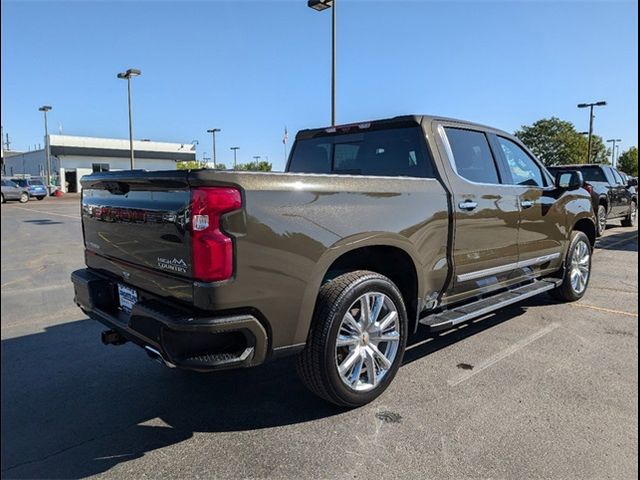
76 217
502 355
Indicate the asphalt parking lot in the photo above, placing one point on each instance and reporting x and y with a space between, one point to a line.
536 390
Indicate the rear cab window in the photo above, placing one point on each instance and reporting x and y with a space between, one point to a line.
384 152
594 174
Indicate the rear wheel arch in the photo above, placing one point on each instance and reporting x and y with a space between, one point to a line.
604 201
392 262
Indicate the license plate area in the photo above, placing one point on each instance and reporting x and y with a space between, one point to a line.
127 297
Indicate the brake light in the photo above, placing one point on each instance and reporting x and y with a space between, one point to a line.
211 249
588 187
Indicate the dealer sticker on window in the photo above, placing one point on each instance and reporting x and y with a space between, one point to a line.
128 297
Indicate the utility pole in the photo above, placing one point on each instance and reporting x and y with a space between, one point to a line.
213 131
320 5
132 72
235 151
613 141
44 109
590 107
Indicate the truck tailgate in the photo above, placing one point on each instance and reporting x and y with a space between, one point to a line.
138 221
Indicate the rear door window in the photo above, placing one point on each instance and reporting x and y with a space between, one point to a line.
617 177
472 156
386 152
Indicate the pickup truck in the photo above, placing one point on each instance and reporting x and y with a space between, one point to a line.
374 230
613 194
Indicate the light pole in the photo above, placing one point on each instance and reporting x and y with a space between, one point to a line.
256 158
213 131
613 141
235 151
590 106
44 109
132 72
320 5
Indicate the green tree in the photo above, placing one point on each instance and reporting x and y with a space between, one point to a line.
261 166
628 162
557 142
192 165
197 164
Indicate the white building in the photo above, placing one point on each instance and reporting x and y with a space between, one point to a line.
72 157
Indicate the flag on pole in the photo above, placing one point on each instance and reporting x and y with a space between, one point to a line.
285 139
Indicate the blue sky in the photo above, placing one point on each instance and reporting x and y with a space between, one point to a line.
250 68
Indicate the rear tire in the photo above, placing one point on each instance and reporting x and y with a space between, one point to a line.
24 197
351 357
601 225
630 220
40 198
577 270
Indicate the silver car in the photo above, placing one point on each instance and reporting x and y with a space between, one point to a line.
13 191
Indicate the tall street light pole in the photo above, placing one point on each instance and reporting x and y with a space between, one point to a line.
235 150
320 5
47 151
590 107
613 141
213 131
128 75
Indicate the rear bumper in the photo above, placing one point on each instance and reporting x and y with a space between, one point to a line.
181 337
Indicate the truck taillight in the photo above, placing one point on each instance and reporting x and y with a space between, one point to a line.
211 249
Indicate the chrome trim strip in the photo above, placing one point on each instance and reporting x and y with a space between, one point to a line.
508 267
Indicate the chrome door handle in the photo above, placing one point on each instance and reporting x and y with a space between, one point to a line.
468 205
527 203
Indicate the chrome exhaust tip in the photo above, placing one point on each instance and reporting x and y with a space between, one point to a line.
157 356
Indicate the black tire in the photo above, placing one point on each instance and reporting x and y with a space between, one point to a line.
3 200
40 198
317 363
567 292
630 220
601 224
24 197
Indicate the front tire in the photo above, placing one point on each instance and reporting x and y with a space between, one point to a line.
357 339
602 220
630 220
577 271
40 198
24 197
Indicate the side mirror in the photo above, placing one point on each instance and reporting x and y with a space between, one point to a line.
632 182
569 180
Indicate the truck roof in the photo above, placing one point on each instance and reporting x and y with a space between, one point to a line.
399 121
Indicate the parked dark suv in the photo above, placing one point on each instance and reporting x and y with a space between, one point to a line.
614 194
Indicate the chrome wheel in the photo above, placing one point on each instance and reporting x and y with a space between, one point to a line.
368 341
580 267
602 220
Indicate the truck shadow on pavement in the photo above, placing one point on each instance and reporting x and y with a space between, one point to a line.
73 408
622 241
